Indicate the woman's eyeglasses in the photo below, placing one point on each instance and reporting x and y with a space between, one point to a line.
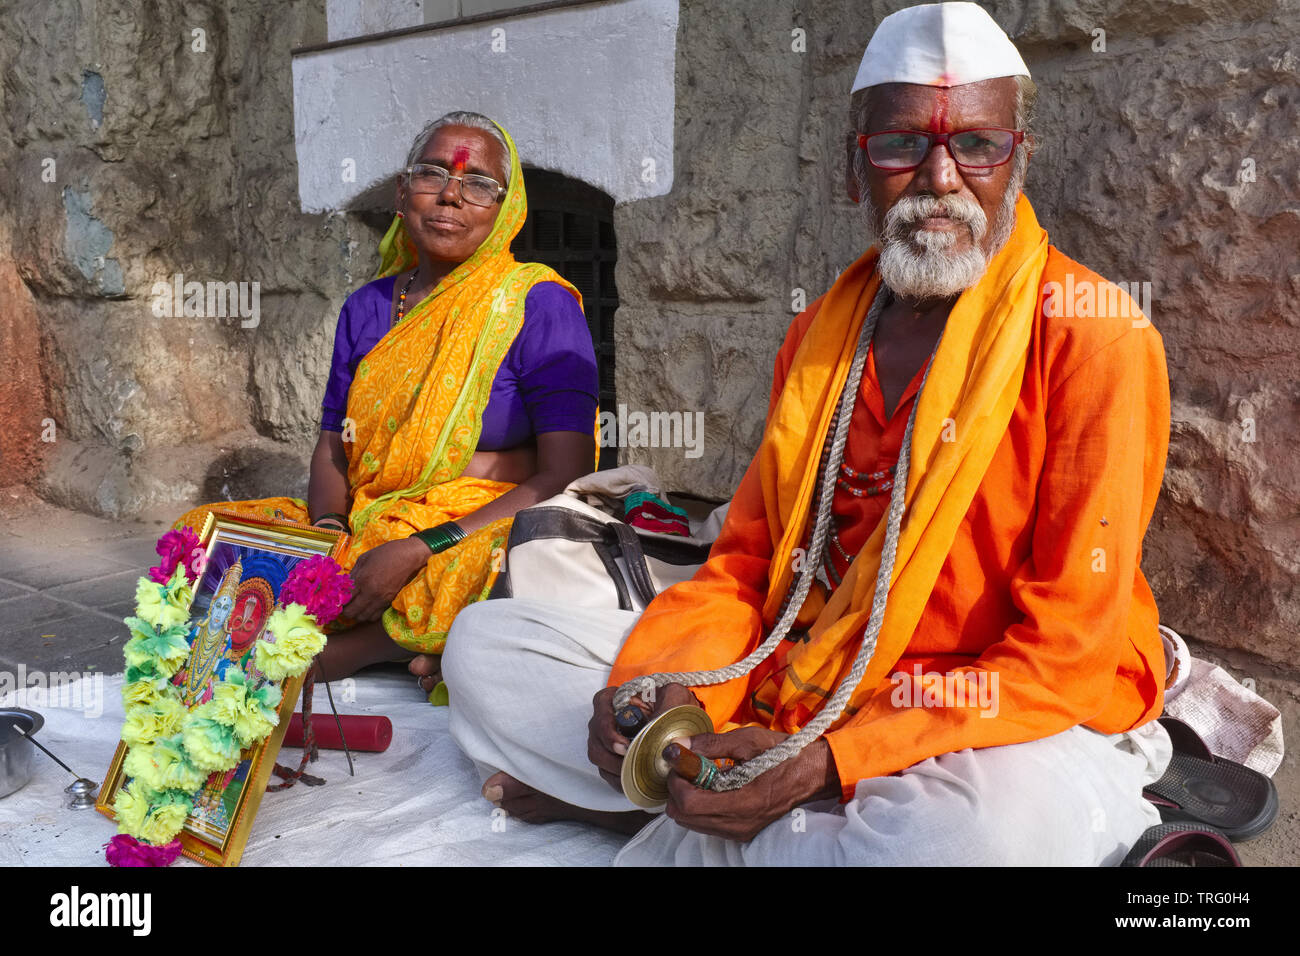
901 149
423 179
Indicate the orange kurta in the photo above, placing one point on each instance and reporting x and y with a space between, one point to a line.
1041 588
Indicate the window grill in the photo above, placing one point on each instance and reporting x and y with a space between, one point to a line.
570 227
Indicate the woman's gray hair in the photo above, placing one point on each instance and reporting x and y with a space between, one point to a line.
459 118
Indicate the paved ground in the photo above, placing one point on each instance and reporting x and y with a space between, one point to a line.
67 579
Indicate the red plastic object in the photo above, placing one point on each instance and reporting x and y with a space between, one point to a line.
364 733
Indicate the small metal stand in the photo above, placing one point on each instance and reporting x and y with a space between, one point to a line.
81 794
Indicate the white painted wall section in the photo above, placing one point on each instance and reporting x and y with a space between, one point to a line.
585 91
354 18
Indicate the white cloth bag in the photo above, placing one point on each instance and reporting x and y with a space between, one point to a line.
573 549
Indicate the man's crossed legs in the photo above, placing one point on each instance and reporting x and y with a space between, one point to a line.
522 675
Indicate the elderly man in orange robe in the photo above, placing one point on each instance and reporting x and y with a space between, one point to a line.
931 567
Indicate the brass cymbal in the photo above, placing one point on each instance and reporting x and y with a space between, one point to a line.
645 772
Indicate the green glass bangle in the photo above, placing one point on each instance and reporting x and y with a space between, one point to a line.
342 519
442 537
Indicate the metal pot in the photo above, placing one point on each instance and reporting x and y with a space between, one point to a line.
15 752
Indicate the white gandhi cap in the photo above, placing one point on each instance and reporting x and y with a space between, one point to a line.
938 44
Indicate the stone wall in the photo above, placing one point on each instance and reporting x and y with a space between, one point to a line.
143 140
1169 157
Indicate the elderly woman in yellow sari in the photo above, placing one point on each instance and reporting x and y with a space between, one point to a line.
463 389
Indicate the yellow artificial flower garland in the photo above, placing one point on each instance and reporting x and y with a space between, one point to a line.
173 749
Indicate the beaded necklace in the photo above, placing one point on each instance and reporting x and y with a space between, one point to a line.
883 481
401 299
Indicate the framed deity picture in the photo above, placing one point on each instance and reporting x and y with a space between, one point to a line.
242 565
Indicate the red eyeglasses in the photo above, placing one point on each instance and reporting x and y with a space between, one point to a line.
899 149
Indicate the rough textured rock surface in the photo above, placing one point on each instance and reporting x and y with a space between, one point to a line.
1169 157
139 148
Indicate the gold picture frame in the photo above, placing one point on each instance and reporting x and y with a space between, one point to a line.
256 554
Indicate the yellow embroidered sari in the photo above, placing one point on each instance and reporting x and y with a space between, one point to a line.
416 406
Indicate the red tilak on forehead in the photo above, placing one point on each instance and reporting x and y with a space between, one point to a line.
940 116
460 158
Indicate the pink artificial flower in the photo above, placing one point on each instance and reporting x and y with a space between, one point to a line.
319 585
125 850
175 547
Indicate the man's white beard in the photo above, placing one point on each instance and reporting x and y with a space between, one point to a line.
920 263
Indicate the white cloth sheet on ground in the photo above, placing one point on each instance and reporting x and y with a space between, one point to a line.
1233 720
522 675
417 804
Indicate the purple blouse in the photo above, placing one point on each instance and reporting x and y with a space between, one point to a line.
547 381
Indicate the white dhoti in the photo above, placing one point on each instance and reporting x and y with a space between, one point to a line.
522 676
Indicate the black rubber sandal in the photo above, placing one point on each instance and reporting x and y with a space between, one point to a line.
1182 844
1201 788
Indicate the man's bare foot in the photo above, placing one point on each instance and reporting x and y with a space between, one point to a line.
532 806
428 668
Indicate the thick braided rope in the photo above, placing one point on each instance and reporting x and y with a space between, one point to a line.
743 773
803 580
309 748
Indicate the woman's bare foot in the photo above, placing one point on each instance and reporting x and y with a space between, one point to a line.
347 652
428 669
532 806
